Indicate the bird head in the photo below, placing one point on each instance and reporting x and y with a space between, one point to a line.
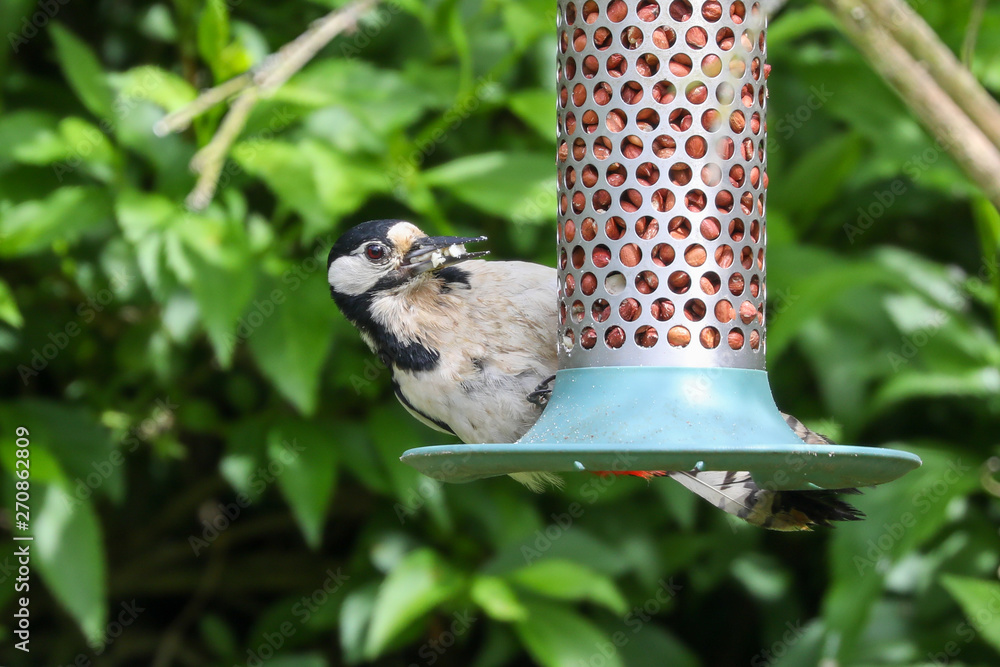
385 255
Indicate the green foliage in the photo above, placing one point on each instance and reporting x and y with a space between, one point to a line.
211 440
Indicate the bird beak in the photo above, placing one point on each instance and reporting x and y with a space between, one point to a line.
430 253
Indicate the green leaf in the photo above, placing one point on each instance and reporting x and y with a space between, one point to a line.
213 33
70 556
511 185
420 582
291 334
9 311
29 137
148 82
979 600
567 580
556 635
497 599
65 215
308 459
83 71
537 109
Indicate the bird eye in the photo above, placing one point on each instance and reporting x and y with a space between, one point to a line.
375 252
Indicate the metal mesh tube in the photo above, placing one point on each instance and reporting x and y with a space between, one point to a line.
661 183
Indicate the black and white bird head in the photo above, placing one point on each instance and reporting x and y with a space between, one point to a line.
379 268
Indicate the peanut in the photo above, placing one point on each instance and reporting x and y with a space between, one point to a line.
696 95
588 283
707 286
724 256
737 121
646 336
601 256
695 255
696 147
709 337
629 310
662 309
680 65
630 254
680 10
617 11
724 311
710 229
712 10
616 121
647 227
648 11
588 338
615 337
754 339
679 282
646 282
736 284
696 37
678 336
663 254
747 312
663 38
735 339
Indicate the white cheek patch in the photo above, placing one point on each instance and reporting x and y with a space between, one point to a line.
353 275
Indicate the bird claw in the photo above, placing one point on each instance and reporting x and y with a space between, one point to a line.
540 396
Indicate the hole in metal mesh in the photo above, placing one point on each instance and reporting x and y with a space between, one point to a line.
616 120
631 146
579 40
737 11
680 119
680 10
570 285
680 65
563 204
590 67
737 67
579 95
602 93
569 230
646 336
647 227
755 230
746 203
746 95
664 92
724 201
601 310
570 122
590 11
570 178
590 121
630 200
617 11
746 40
647 174
588 338
694 309
588 283
616 65
755 122
631 92
736 284
696 37
579 149
630 254
725 148
737 176
710 283
614 337
602 148
647 120
601 201
568 339
579 201
725 39
662 200
710 228
615 283
695 254
724 256
679 227
679 336
578 311
579 257
646 282
735 339
615 228
570 67
629 310
589 177
760 44
736 230
563 151
724 311
754 340
709 338
562 258
570 13
695 201
563 42
755 286
601 256
696 92
737 121
711 174
679 282
631 38
680 174
760 259
602 39
562 311
648 10
662 309
663 254
746 257
664 146
711 65
588 229
711 120
647 65
664 38
725 93
712 11
563 97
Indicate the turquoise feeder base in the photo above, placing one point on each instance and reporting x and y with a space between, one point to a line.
667 418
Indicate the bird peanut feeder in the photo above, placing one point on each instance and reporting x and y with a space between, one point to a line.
661 256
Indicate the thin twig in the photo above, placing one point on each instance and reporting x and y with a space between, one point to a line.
972 32
944 118
249 88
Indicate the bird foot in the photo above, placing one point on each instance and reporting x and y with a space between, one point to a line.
540 396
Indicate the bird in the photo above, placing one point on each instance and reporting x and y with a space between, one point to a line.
472 345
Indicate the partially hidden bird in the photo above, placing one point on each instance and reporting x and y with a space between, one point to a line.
471 345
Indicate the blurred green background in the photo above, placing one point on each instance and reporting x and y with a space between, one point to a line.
214 454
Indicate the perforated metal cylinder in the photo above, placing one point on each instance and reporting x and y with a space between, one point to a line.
661 183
